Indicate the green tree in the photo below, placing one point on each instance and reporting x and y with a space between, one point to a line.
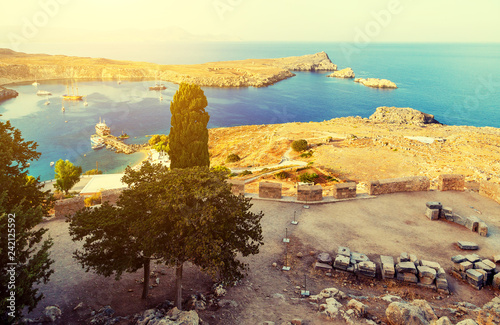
299 145
188 138
232 158
93 172
23 205
67 175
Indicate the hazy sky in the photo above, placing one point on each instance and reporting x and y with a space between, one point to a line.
256 20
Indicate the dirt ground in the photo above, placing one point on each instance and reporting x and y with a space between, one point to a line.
385 225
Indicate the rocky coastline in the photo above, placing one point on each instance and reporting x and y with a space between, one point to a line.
344 73
7 93
19 67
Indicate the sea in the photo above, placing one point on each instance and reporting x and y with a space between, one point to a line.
458 83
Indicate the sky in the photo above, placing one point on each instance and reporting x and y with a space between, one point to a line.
250 20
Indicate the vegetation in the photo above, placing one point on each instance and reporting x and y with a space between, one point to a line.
23 205
232 158
188 139
281 175
93 172
221 169
308 178
307 154
67 175
299 145
186 214
93 200
159 142
245 173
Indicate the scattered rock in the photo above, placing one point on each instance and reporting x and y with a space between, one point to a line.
220 291
227 303
359 307
418 312
442 321
52 313
467 322
300 255
344 73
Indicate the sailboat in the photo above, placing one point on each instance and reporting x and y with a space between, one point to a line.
158 85
119 81
35 83
73 96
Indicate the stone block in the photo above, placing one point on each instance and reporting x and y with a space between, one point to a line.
458 219
483 266
344 190
496 281
322 266
467 245
366 268
342 262
387 266
359 257
237 186
270 190
426 272
466 265
344 251
325 258
489 263
442 283
414 259
426 280
434 205
475 275
432 214
403 184
447 210
472 223
309 193
490 190
406 267
407 277
441 273
458 259
496 258
473 258
404 257
430 264
482 229
451 182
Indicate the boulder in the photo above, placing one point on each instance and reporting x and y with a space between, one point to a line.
358 306
52 313
418 312
325 258
467 322
401 115
442 321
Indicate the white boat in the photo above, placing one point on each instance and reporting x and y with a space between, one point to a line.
43 93
96 139
85 102
47 102
52 163
35 83
98 146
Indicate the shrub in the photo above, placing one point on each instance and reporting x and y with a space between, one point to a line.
281 175
307 154
222 169
233 158
245 172
93 172
93 200
299 145
308 178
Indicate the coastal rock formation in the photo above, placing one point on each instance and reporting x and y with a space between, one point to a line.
7 93
376 83
402 115
344 73
22 67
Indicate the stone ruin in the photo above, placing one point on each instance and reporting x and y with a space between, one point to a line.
309 193
270 190
477 271
344 190
407 268
402 184
451 182
436 211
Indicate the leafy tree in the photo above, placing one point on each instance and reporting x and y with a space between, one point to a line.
222 169
232 158
188 138
93 172
299 145
67 175
23 204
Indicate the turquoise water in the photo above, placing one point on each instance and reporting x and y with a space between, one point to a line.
458 83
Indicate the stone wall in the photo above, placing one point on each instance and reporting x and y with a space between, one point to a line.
344 190
402 184
68 207
490 190
270 190
451 182
237 187
111 196
309 193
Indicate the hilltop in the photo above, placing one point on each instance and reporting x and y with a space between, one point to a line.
22 67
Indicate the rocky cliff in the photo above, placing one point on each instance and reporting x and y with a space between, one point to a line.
402 115
22 67
7 93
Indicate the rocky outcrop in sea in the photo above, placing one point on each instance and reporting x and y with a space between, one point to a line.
344 73
376 83
7 93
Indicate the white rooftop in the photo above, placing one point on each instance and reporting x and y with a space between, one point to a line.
102 183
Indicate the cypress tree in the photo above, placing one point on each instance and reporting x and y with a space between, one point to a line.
188 138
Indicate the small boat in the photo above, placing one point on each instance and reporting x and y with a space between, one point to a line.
35 83
43 93
158 86
47 102
85 102
98 146
52 163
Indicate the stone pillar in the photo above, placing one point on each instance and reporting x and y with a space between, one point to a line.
309 193
270 190
451 182
344 190
237 186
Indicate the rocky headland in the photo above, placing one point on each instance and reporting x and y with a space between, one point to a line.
401 115
344 73
21 67
376 83
7 93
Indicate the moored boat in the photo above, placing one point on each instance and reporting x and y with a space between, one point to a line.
43 93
